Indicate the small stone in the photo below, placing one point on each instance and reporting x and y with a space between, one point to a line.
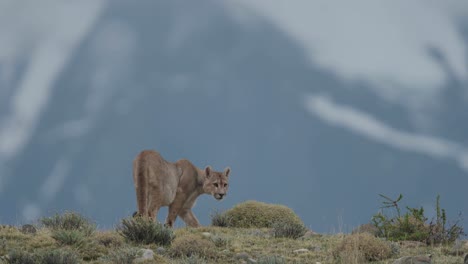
206 234
242 255
300 251
28 229
414 260
160 250
147 254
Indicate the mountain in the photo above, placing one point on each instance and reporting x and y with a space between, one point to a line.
192 81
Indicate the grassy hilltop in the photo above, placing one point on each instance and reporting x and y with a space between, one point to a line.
251 232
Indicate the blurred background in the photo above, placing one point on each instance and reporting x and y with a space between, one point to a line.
316 105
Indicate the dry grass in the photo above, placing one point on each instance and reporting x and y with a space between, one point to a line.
258 243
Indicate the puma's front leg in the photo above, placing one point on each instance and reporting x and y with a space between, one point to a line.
189 218
174 209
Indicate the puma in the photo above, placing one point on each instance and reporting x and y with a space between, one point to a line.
175 184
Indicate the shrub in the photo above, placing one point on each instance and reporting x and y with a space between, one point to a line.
68 237
59 257
145 231
359 248
258 214
192 260
69 221
109 239
413 225
21 257
192 245
219 241
123 256
288 229
272 260
220 219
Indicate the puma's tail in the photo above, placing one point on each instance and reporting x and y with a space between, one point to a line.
139 170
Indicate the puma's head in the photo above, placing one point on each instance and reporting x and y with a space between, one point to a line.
216 183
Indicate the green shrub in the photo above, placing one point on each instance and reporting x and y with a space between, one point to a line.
68 237
257 214
192 245
192 260
109 239
59 257
21 257
272 260
145 231
69 221
288 229
123 256
219 241
362 247
413 224
220 219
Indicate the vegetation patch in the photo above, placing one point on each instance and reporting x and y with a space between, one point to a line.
257 214
124 255
192 245
414 225
145 231
363 247
69 221
288 229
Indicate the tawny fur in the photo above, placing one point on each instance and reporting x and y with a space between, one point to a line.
177 185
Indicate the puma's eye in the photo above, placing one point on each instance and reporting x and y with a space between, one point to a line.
216 185
225 185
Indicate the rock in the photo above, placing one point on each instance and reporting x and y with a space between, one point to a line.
251 261
28 229
300 251
466 259
206 234
242 255
148 254
414 260
160 250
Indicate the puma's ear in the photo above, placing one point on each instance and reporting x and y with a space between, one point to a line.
227 170
208 171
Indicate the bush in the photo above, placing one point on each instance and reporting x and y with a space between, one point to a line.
109 239
258 214
145 231
220 219
192 260
123 256
69 221
59 257
68 237
219 241
360 248
289 230
272 260
46 257
413 224
192 245
21 257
